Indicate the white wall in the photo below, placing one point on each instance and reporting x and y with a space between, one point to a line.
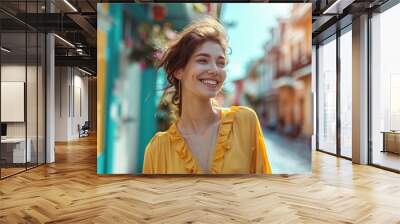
61 103
71 94
12 73
12 101
81 84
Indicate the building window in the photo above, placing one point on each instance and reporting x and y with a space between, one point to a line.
346 94
327 96
385 89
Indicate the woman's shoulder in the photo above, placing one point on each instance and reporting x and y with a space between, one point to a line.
159 139
243 113
243 119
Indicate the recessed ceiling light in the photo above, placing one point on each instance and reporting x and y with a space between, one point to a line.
84 71
64 40
337 7
70 5
5 49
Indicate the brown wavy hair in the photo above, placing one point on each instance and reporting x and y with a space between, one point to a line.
178 52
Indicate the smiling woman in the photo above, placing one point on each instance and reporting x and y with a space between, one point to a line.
206 138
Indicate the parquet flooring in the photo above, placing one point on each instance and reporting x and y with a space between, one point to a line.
70 191
9 171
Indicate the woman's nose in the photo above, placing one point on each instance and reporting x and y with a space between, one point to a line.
213 69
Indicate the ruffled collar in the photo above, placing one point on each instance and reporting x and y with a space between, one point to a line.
223 143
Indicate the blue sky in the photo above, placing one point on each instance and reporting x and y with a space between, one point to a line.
246 39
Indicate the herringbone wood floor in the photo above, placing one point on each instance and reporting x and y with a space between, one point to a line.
70 191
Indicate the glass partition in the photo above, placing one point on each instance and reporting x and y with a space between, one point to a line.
22 89
31 100
327 96
14 152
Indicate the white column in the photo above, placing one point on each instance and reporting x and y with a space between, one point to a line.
50 93
360 90
50 109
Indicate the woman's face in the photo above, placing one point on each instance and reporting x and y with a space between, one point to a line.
204 73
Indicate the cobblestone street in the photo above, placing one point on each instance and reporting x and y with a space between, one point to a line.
286 155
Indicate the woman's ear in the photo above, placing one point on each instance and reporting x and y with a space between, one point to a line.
179 74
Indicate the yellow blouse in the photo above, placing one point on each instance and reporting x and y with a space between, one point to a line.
240 148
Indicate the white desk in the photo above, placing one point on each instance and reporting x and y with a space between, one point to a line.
18 149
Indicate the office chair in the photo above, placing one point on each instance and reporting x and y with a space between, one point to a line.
84 130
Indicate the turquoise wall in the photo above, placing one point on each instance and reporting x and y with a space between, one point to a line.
114 38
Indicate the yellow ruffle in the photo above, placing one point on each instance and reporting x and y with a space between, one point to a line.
224 139
222 146
181 149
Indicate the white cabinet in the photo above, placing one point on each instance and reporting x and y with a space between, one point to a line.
18 149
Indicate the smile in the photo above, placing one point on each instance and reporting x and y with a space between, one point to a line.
209 83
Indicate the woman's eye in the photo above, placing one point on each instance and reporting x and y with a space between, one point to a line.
221 64
202 61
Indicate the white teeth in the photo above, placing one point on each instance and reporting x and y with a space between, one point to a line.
208 81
